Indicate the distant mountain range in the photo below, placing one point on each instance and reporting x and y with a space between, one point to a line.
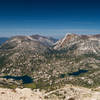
75 59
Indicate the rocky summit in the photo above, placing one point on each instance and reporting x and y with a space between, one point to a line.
50 64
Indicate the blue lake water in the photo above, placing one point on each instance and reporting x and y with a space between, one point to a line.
78 72
25 79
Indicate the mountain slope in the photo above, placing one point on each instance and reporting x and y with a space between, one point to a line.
45 40
23 42
75 59
20 53
81 44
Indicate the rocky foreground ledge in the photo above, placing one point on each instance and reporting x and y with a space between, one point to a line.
67 92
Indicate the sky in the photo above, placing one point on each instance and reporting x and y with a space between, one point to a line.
49 17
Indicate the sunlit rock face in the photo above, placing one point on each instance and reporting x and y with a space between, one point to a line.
80 43
67 92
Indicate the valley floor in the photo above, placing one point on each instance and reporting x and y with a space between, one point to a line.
67 92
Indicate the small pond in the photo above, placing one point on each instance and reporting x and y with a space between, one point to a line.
78 72
25 79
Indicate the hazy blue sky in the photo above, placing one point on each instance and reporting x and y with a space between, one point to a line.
49 17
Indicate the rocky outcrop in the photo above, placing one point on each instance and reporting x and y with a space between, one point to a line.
67 92
83 43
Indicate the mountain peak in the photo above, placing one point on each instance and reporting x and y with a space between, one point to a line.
68 37
81 44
